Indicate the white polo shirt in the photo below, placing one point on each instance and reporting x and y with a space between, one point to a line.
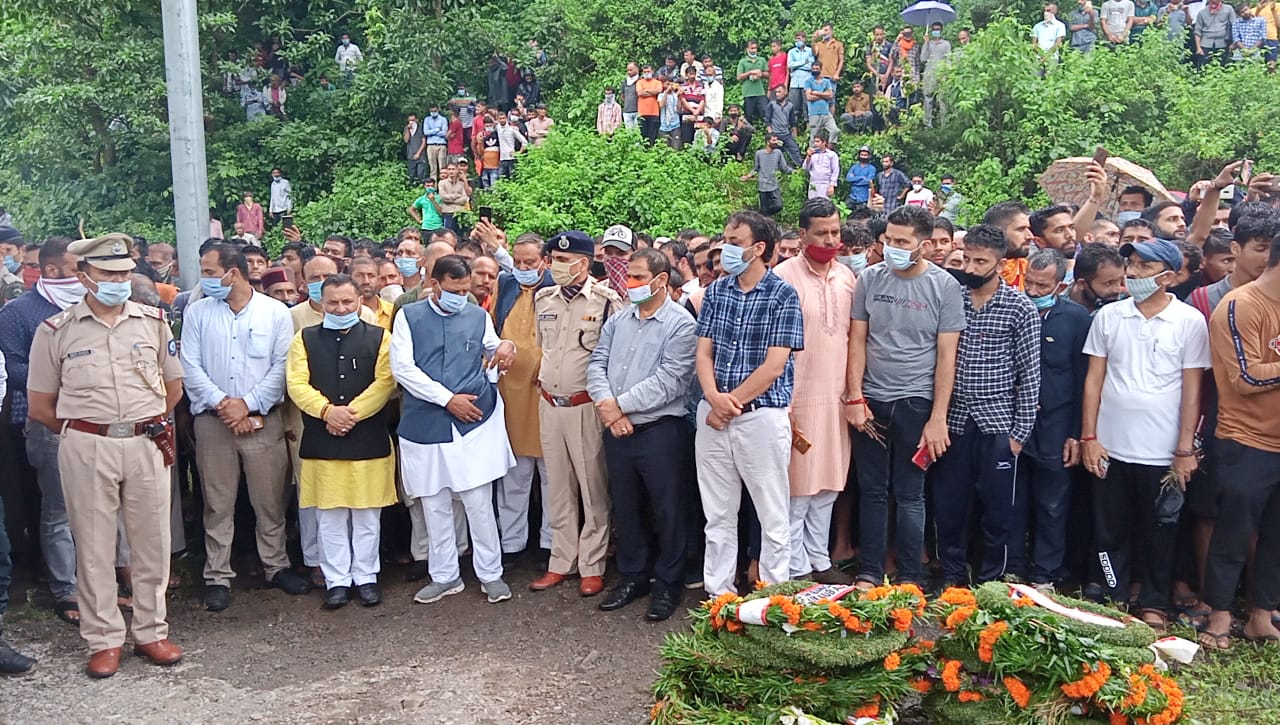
1138 418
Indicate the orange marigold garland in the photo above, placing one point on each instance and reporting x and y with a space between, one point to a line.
893 661
871 709
1018 691
987 640
951 675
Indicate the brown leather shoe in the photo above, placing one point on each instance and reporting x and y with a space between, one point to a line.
104 663
591 586
161 652
546 581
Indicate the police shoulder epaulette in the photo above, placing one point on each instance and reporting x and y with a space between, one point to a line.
58 320
153 312
546 292
606 291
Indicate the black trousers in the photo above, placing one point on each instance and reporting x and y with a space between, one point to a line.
977 466
755 107
649 466
1248 502
649 128
1130 543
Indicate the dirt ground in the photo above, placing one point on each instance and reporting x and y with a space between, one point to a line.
547 657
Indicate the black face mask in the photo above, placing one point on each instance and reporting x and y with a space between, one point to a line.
597 270
974 281
958 274
1098 300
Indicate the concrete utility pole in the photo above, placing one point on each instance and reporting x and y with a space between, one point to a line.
186 134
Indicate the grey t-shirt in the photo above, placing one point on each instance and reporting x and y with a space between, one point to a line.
766 167
904 317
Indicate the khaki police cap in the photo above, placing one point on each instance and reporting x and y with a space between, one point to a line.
109 252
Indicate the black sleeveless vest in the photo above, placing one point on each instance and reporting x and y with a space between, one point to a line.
341 367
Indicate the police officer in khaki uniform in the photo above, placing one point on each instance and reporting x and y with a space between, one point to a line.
569 318
105 375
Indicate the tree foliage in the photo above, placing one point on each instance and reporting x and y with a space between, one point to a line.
83 118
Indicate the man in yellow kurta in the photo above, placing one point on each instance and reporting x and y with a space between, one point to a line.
339 376
515 320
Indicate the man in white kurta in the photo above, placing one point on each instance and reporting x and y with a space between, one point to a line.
453 436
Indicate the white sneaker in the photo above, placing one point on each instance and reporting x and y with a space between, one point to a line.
435 591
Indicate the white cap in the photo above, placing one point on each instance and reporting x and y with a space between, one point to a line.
620 236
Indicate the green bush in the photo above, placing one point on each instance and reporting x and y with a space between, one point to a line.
581 180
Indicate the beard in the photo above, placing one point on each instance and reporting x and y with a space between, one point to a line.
1019 252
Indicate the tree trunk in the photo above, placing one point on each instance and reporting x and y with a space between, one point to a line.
107 145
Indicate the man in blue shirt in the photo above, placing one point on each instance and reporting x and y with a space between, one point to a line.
435 128
1044 479
860 177
799 63
819 95
749 325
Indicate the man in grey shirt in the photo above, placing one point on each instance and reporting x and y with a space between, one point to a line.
780 120
768 161
630 101
639 376
907 317
1212 30
1083 22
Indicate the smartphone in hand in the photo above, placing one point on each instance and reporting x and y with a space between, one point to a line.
1100 155
287 221
923 458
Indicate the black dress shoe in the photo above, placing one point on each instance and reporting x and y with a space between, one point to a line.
217 597
663 604
290 582
370 595
417 571
510 560
626 593
13 662
337 597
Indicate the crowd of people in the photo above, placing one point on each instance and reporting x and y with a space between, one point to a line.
840 402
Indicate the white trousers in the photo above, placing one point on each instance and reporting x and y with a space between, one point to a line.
348 540
513 505
309 535
420 538
755 449
810 532
486 549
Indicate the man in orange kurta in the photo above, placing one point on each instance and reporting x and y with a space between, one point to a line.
515 320
818 474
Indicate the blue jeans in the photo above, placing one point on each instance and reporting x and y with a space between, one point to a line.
886 467
55 527
1040 519
488 177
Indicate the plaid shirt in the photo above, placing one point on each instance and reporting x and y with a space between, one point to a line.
891 182
1249 33
998 366
742 326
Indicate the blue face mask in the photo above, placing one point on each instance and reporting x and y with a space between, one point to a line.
113 294
1125 216
527 277
212 287
451 302
856 262
732 260
799 43
340 322
12 264
945 188
1045 302
315 290
408 266
898 259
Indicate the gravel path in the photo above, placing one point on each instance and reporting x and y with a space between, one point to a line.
548 657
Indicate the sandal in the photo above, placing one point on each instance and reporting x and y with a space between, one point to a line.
124 598
1161 625
65 610
1220 641
1193 613
175 581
